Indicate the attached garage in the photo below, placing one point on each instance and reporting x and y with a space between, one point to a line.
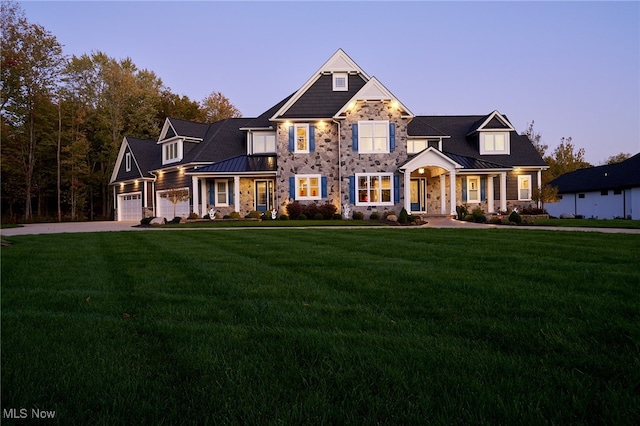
165 207
130 206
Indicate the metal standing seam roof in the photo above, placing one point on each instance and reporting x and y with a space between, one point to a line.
240 164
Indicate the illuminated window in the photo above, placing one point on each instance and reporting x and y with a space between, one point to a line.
374 189
308 187
373 137
524 188
301 138
473 189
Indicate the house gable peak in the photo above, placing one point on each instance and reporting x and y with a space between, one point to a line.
373 90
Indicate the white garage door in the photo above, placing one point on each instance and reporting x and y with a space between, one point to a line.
165 208
130 206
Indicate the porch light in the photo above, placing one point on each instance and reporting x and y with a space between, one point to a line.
352 105
394 104
421 170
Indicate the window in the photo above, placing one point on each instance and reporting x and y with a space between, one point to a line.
374 189
604 192
301 133
171 153
580 195
222 193
263 143
415 146
340 82
473 189
308 187
617 191
524 188
494 143
373 137
127 160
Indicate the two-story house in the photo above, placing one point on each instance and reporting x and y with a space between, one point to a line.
342 138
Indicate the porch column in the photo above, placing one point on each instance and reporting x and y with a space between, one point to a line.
503 191
196 201
203 196
236 193
443 194
539 187
490 202
452 177
407 191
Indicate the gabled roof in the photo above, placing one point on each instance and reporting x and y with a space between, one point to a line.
324 103
463 139
188 129
373 90
222 140
493 121
611 176
145 156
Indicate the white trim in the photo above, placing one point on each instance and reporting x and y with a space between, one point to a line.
307 178
127 161
373 124
470 180
494 134
226 192
500 117
179 149
529 186
371 190
297 126
373 90
337 77
430 157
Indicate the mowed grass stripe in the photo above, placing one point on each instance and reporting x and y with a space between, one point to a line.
334 326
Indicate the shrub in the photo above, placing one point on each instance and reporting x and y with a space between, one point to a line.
462 212
532 210
146 220
328 210
515 218
318 216
254 214
310 210
468 218
336 216
233 215
283 217
302 216
374 216
478 216
194 215
495 220
404 216
294 210
175 220
357 216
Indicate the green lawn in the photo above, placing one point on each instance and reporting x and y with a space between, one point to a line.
336 326
590 223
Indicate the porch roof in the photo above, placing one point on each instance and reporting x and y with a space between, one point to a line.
240 164
475 163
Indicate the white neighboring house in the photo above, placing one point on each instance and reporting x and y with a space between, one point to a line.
603 192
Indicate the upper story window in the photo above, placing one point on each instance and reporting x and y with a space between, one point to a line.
171 152
373 137
524 188
127 161
494 143
340 82
262 143
301 132
415 146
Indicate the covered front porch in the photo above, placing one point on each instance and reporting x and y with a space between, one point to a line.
435 183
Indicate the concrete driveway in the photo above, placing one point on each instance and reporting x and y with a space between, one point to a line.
437 222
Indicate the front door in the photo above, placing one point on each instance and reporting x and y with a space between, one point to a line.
418 190
264 195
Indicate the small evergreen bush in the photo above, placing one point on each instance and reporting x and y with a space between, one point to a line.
478 216
318 216
358 216
374 216
515 218
302 216
283 217
254 214
404 216
146 220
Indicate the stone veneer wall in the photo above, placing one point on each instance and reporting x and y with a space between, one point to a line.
353 162
323 160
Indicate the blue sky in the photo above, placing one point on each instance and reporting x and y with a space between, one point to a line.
573 67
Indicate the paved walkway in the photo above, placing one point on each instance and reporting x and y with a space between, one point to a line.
57 228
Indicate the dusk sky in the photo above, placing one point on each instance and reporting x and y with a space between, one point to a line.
573 67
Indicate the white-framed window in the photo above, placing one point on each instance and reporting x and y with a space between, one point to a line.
308 187
221 188
373 137
524 188
301 135
494 143
414 146
340 82
127 161
171 152
473 189
374 189
263 142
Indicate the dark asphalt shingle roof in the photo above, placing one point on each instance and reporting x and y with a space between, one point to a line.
611 176
144 153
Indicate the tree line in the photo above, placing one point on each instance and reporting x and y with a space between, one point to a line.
63 120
